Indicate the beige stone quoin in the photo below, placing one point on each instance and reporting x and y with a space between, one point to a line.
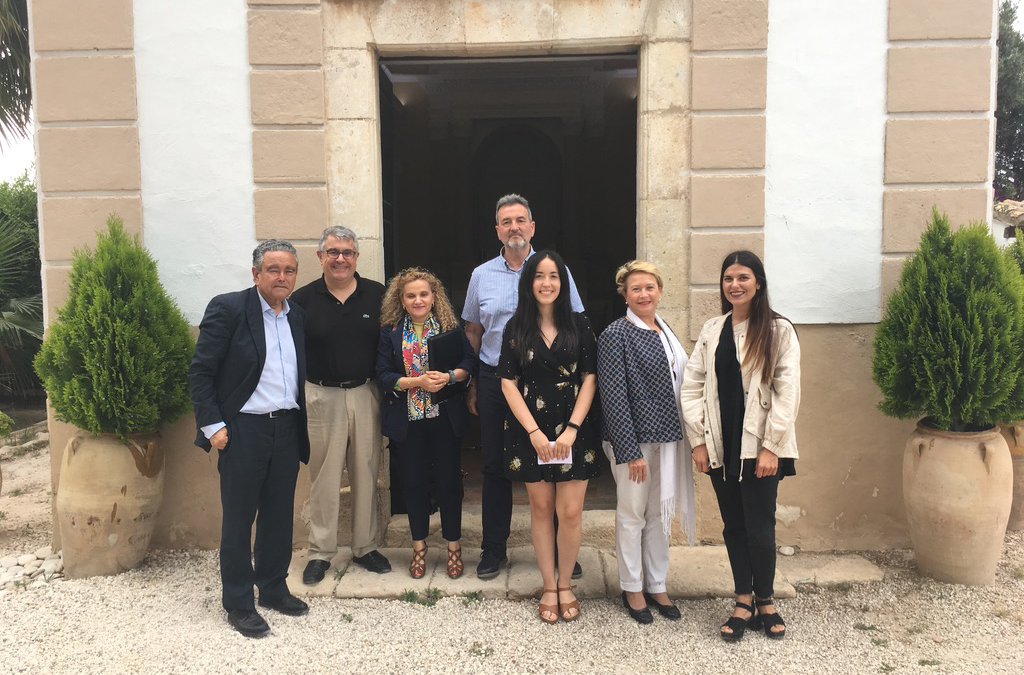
940 127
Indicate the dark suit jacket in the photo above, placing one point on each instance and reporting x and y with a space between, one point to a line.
229 358
394 412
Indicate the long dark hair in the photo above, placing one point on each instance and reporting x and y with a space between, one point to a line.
522 328
761 336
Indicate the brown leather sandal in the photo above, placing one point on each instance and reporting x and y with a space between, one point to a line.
563 608
543 609
418 564
455 566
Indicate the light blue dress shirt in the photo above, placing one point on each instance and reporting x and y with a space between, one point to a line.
492 298
279 381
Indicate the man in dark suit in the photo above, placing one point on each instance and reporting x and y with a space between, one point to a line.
246 382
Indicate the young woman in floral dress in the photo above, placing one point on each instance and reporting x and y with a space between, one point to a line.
547 368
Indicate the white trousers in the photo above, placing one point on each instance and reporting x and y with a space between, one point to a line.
640 541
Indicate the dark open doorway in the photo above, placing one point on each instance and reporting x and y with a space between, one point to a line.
457 134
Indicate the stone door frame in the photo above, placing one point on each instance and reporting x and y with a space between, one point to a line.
700 106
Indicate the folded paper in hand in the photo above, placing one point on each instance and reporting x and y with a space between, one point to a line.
567 460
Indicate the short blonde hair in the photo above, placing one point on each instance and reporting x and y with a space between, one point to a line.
622 274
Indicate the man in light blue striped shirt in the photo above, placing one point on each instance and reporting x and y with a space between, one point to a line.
490 302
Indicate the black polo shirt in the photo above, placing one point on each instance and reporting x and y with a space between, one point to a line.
341 338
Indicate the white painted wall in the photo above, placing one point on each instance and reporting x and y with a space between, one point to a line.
825 154
195 136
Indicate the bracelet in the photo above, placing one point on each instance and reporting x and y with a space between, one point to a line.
451 376
532 432
572 425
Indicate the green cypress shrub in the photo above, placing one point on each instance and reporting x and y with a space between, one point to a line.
1015 251
951 344
116 359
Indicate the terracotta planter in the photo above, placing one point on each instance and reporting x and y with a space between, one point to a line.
957 488
1014 435
107 502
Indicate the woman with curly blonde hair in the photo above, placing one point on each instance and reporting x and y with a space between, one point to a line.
425 433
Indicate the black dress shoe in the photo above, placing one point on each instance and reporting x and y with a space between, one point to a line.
314 572
373 561
669 611
287 604
643 616
490 564
248 622
577 571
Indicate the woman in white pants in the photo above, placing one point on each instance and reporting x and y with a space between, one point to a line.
640 366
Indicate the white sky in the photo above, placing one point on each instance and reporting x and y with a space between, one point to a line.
15 158
20 155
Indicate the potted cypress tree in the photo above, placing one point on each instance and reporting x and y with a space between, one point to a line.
1014 433
950 348
115 365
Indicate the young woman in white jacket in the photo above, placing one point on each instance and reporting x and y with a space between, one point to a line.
740 395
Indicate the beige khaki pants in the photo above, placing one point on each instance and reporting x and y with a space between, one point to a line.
344 433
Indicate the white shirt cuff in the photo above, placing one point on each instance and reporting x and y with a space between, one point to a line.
210 429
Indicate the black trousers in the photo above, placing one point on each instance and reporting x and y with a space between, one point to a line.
748 513
496 511
258 469
431 464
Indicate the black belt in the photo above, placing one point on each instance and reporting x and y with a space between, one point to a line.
274 414
347 384
488 368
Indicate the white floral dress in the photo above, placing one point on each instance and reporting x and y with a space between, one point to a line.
549 383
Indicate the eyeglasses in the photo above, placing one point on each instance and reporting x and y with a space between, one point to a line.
347 254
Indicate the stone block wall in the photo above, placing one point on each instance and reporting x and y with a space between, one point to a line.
940 128
289 152
729 94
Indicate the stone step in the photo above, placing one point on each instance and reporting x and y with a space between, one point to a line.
826 569
694 572
598 529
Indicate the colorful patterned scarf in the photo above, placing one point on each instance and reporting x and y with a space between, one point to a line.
414 354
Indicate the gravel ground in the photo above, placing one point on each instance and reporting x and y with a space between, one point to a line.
166 618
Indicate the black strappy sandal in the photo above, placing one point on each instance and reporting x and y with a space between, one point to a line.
768 621
737 625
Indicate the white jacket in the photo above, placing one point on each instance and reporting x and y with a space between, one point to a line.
769 419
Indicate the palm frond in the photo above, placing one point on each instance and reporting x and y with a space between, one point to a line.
13 246
15 78
20 330
31 306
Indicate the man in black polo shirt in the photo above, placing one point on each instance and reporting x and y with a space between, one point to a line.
342 402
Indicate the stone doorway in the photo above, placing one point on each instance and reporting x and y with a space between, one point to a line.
457 134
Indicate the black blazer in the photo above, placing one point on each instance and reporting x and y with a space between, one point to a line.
394 412
229 358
